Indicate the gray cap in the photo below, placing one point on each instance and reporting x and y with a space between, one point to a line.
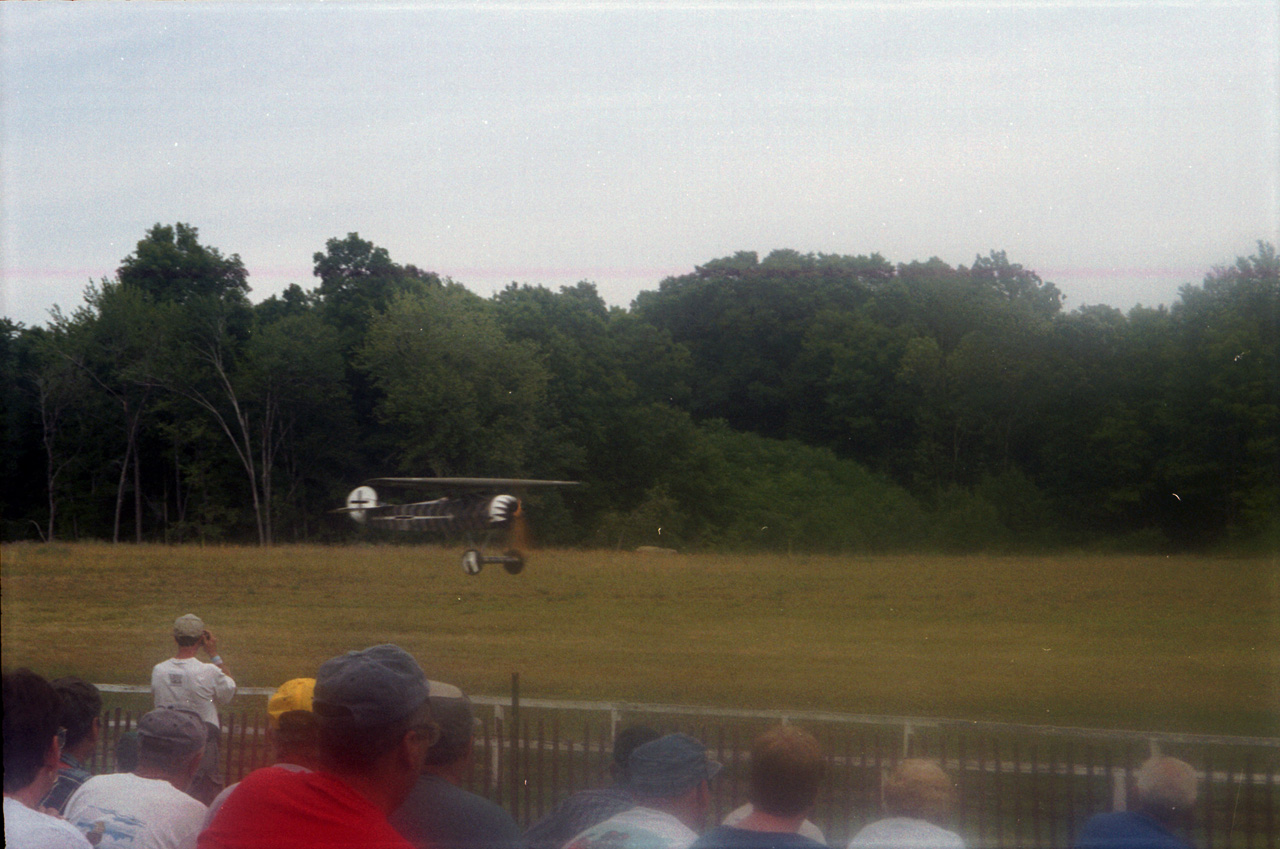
669 766
174 728
370 688
188 625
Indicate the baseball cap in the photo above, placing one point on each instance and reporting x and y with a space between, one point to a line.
294 694
669 766
369 688
441 690
188 625
175 728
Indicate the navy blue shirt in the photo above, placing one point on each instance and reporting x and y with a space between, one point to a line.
70 776
1127 830
442 815
728 837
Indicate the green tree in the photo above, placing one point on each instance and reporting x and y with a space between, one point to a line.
744 323
457 395
59 389
1223 460
358 280
112 339
170 264
22 462
293 379
202 335
203 365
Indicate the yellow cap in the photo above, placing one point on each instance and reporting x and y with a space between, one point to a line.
293 695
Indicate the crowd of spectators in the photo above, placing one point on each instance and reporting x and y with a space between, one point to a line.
371 753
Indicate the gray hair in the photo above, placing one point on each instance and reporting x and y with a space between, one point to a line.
1166 784
919 788
165 756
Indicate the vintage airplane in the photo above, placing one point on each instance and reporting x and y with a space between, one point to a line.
473 508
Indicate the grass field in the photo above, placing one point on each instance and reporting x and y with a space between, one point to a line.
1147 643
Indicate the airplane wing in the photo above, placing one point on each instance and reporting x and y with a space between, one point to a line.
467 483
423 520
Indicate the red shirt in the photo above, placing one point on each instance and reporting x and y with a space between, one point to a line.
278 809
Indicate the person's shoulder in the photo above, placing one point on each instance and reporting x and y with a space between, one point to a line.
905 830
721 835
1105 828
609 800
1110 821
591 794
98 784
275 776
733 837
435 793
640 828
495 813
182 801
24 827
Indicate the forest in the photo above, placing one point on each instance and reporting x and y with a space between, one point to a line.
799 402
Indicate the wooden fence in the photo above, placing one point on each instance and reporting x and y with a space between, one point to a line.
1020 786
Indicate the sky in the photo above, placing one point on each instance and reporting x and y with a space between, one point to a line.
1120 150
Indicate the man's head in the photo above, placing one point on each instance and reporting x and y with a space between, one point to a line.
786 769
188 630
672 774
451 710
295 739
291 726
170 743
1166 788
624 744
294 694
919 789
81 710
366 702
31 749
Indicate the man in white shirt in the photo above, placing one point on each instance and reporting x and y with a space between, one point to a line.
32 751
670 778
186 681
919 799
147 808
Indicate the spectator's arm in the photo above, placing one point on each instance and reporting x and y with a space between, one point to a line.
224 688
210 644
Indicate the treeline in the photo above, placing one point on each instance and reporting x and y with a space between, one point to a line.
799 402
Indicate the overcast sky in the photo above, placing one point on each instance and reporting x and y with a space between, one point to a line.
1119 149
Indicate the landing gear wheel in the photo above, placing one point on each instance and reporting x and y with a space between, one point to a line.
471 562
513 562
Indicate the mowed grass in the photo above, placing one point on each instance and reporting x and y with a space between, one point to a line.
1146 643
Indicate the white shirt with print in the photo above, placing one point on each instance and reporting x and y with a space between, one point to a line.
136 812
192 683
638 828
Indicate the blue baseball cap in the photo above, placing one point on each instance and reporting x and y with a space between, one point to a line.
174 728
669 766
371 688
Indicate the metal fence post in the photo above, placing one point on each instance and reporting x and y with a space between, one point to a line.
513 758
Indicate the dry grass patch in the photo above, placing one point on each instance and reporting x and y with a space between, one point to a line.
1186 643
